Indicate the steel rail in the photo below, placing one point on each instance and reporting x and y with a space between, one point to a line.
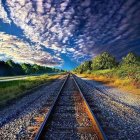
90 113
42 127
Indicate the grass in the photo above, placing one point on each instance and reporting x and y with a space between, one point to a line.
125 78
11 90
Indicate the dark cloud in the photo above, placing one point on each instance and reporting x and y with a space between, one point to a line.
79 29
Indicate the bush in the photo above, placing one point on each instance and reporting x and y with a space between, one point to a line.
88 72
130 59
103 61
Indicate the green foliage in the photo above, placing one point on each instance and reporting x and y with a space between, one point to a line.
10 68
10 63
87 65
13 68
84 67
129 71
103 61
104 65
88 72
26 68
130 59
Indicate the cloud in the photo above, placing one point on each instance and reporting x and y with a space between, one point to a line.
18 50
3 14
86 3
79 29
54 47
71 50
39 27
64 5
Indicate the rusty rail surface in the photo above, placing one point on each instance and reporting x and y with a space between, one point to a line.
97 129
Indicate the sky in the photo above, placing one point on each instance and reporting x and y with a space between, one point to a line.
65 33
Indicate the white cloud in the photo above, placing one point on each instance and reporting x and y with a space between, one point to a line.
53 24
18 50
54 47
40 8
3 14
71 49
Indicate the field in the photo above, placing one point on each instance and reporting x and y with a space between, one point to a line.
10 90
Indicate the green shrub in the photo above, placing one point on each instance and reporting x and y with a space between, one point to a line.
130 60
88 72
103 61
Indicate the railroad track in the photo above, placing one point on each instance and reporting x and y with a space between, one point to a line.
70 116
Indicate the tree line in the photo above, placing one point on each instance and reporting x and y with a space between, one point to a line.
107 61
10 68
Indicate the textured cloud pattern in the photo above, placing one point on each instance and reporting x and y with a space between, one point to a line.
20 51
79 29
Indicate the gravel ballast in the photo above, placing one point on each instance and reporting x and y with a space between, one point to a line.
117 112
15 119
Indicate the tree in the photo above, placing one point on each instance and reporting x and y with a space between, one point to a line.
103 61
10 63
9 68
130 59
4 69
87 65
14 68
26 68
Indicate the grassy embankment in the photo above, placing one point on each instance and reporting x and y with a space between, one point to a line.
14 89
125 78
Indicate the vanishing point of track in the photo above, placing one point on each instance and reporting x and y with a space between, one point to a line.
70 117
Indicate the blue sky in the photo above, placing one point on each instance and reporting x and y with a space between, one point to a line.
65 33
